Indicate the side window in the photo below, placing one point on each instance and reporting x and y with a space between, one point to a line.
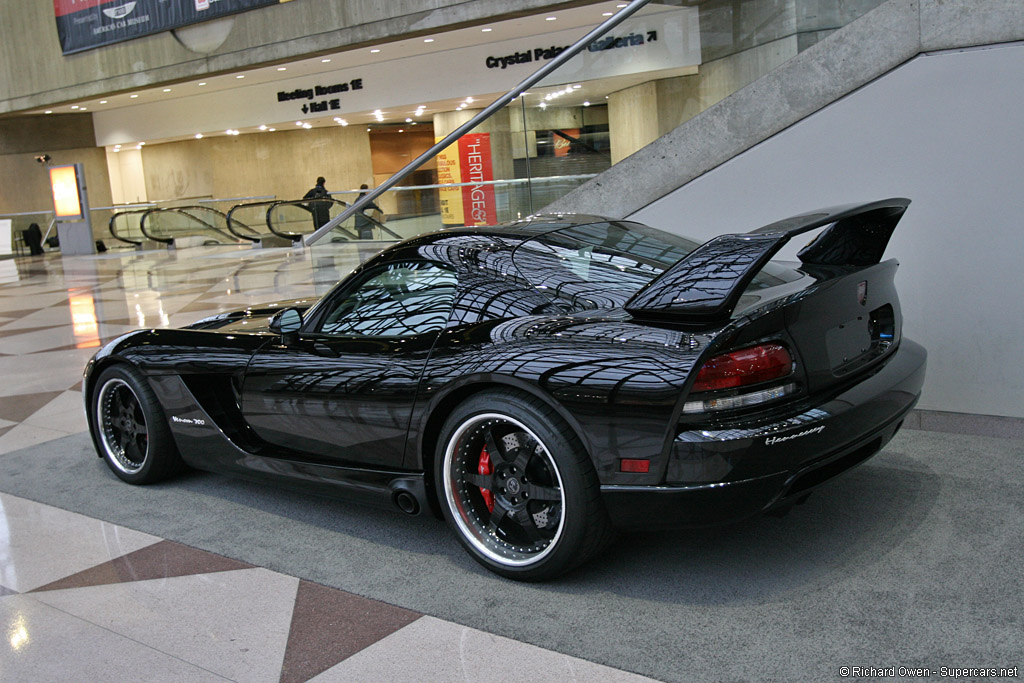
395 300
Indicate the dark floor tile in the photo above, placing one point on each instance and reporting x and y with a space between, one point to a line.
329 626
21 407
161 560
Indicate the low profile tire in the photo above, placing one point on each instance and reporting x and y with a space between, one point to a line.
130 429
518 488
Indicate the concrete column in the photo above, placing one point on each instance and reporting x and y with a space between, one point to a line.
632 119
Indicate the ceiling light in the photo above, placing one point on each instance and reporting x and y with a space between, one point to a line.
282 68
48 111
103 101
576 86
408 120
203 83
324 61
401 130
117 149
141 144
586 103
469 100
263 127
543 105
620 6
240 76
307 126
138 147
82 109
368 130
74 106
607 14
486 30
343 122
199 136
117 146
167 90
375 50
550 18
298 123
133 96
428 40
271 130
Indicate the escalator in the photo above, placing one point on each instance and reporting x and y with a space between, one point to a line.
194 226
293 219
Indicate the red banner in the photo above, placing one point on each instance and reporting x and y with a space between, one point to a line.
478 203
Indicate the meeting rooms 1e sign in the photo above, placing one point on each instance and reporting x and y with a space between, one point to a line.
308 96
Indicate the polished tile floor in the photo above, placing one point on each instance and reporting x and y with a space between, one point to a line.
82 599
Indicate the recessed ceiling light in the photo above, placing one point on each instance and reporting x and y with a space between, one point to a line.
486 30
620 6
82 109
117 149
48 111
298 123
240 76
408 120
375 50
133 96
368 130
343 122
141 144
74 106
282 68
607 14
401 130
307 126
167 90
103 101
586 103
271 130
263 127
469 100
203 83
199 136
324 61
428 40
550 18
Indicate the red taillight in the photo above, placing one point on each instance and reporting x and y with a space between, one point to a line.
635 465
746 366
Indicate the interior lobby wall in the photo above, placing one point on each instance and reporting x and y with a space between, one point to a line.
284 164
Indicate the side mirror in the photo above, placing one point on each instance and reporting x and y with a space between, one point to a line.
287 321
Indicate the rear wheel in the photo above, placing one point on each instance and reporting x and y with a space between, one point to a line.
518 488
130 429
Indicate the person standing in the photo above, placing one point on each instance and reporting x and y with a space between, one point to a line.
319 206
364 224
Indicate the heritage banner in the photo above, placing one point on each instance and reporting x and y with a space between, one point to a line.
478 201
85 24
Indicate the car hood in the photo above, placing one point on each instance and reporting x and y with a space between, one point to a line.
253 319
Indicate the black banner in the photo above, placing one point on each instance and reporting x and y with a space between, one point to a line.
85 24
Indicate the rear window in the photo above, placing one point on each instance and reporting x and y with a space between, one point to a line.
602 265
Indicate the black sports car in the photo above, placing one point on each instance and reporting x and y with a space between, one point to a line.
541 383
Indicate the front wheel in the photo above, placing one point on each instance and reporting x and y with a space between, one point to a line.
518 488
129 427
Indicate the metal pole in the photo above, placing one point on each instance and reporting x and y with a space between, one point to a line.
494 106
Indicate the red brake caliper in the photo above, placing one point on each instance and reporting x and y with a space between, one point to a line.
485 468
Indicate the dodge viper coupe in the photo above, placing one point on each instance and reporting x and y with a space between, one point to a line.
542 383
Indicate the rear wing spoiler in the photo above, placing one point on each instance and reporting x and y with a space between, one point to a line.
707 284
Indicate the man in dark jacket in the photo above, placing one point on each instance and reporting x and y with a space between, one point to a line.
321 210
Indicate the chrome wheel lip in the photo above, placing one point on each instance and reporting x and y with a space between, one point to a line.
473 535
115 454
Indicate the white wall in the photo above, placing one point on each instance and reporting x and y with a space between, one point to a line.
946 130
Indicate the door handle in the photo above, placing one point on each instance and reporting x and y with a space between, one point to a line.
322 349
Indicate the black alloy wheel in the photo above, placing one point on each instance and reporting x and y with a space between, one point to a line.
518 488
130 429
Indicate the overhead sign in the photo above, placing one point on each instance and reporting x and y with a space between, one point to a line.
85 24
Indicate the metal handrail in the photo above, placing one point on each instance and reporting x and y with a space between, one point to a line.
486 113
181 210
509 181
114 217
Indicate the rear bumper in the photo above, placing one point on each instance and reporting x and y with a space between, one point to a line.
724 475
